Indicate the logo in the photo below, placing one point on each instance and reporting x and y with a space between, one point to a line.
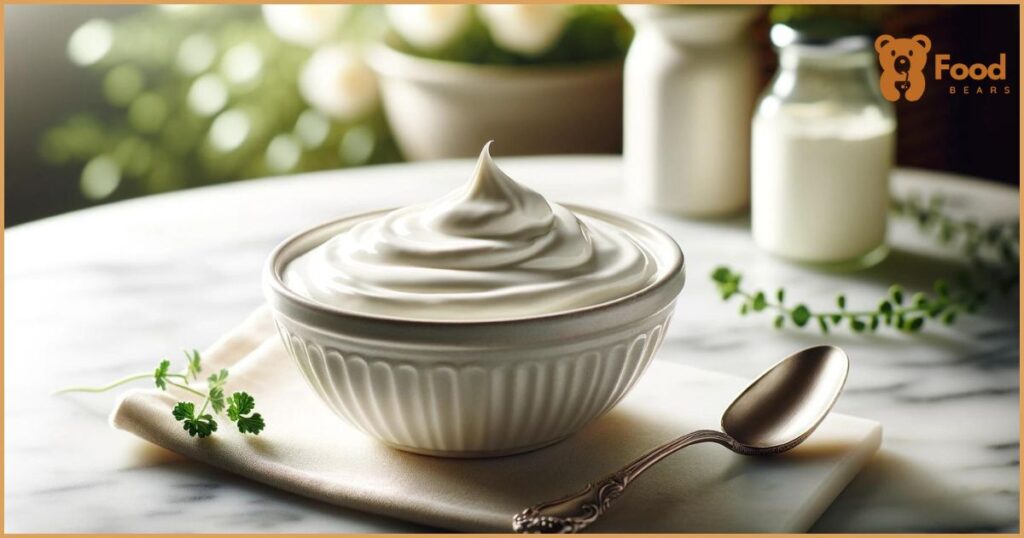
902 62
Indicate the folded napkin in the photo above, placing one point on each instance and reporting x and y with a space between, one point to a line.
307 450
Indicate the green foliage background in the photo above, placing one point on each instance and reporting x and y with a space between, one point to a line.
592 33
148 139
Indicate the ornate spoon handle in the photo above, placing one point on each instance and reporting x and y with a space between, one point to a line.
575 512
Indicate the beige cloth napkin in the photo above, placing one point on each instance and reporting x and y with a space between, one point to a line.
307 450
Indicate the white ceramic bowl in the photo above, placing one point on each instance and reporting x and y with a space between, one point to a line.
440 109
470 389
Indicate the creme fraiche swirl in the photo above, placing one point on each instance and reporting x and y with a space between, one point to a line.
492 249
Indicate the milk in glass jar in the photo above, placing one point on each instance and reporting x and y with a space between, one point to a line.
822 150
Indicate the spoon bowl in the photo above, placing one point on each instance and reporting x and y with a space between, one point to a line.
786 403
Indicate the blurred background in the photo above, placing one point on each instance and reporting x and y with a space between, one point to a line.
105 103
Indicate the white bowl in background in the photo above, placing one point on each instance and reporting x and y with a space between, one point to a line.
439 109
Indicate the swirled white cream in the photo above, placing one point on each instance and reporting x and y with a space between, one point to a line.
492 249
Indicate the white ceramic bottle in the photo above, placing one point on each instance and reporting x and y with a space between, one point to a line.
822 151
689 89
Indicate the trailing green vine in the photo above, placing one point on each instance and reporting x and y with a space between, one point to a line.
239 407
992 251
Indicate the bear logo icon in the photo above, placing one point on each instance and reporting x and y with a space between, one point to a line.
902 62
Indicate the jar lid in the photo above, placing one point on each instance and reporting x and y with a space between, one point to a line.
822 36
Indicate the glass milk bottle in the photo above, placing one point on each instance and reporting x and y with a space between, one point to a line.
690 84
822 149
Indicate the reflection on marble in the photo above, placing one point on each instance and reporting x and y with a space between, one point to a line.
96 294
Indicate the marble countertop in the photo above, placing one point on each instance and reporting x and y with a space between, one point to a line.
96 294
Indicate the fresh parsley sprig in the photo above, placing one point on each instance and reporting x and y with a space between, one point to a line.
239 406
992 252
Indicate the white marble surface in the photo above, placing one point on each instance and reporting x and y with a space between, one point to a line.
96 294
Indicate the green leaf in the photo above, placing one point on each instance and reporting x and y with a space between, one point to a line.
874 323
949 318
721 275
941 288
192 357
780 320
823 324
885 307
896 293
919 300
201 426
857 325
780 295
218 379
760 302
184 410
241 404
216 395
253 424
744 308
800 315
914 324
841 301
837 318
216 392
160 375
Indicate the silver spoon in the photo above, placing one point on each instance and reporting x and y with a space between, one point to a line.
775 413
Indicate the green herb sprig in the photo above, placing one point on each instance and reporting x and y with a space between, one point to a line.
992 251
240 406
894 310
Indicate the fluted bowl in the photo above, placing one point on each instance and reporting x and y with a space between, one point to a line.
475 388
